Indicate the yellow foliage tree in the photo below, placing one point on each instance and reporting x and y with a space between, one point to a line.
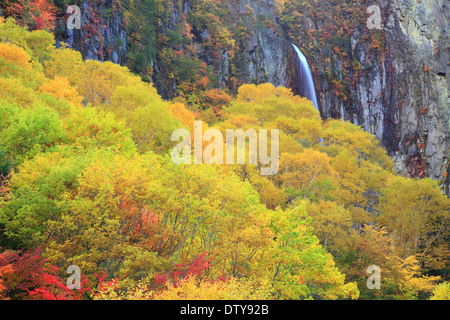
13 54
60 87
441 292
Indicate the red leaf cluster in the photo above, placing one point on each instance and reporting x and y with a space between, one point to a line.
195 268
26 275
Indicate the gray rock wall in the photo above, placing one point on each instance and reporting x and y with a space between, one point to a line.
418 36
102 35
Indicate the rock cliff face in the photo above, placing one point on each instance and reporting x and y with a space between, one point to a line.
259 50
266 48
398 91
418 39
102 35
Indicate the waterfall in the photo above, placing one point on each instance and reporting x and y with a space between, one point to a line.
305 81
304 78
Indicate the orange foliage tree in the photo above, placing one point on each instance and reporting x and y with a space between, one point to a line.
36 14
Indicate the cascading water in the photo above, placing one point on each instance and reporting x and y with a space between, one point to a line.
304 78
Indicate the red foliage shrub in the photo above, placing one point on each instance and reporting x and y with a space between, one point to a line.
27 276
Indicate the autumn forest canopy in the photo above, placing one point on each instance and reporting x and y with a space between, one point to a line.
87 179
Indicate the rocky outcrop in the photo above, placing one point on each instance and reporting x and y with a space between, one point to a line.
418 39
102 35
258 56
265 49
418 42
